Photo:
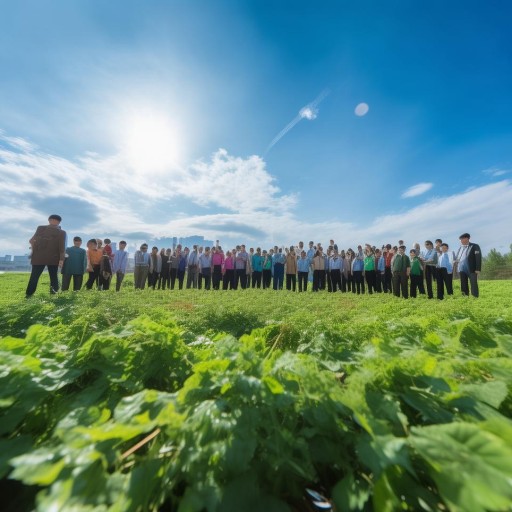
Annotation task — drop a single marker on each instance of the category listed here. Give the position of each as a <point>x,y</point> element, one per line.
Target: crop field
<point>254,400</point>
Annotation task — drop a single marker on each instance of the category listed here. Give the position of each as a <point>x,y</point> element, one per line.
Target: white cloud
<point>496,172</point>
<point>417,190</point>
<point>253,208</point>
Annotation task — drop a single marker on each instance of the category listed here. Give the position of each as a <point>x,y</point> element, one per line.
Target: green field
<point>241,400</point>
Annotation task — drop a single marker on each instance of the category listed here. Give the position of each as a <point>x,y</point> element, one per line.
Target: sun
<point>149,142</point>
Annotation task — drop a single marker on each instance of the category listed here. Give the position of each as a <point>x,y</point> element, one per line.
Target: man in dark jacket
<point>469,259</point>
<point>48,250</point>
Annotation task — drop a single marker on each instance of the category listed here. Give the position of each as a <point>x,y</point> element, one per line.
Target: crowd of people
<point>369,269</point>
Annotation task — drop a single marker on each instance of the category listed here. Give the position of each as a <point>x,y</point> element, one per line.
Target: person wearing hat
<point>469,259</point>
<point>48,250</point>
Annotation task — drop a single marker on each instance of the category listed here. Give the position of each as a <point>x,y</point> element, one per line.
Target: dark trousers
<point>291,282</point>
<point>430,275</point>
<point>335,280</point>
<point>93,277</point>
<point>256,279</point>
<point>206,275</point>
<point>444,279</point>
<point>173,276</point>
<point>328,280</point>
<point>119,280</point>
<point>216,276</point>
<point>267,277</point>
<point>473,281</point>
<point>400,284</point>
<point>303,281</point>
<point>378,281</point>
<point>104,282</point>
<point>416,284</point>
<point>358,281</point>
<point>278,276</point>
<point>351,284</point>
<point>181,278</point>
<point>153,279</point>
<point>388,279</point>
<point>240,277</point>
<point>229,279</point>
<point>248,280</point>
<point>37,270</point>
<point>370,280</point>
<point>78,280</point>
<point>318,280</point>
<point>164,279</point>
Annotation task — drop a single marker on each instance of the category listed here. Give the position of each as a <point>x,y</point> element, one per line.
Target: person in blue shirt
<point>380,270</point>
<point>75,265</point>
<point>444,272</point>
<point>278,261</point>
<point>357,271</point>
<point>429,259</point>
<point>303,268</point>
<point>335,268</point>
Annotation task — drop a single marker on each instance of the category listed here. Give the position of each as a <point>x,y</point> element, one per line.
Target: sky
<point>256,121</point>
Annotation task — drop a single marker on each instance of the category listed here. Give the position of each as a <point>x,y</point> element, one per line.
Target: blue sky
<point>155,118</point>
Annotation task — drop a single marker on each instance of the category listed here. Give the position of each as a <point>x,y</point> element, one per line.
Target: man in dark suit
<point>469,259</point>
<point>48,250</point>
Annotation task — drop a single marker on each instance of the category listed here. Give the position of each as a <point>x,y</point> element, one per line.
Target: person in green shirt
<point>369,269</point>
<point>416,274</point>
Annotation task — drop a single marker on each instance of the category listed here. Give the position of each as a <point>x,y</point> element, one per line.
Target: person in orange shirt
<point>94,256</point>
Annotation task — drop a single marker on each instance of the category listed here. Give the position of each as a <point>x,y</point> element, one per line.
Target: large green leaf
<point>471,467</point>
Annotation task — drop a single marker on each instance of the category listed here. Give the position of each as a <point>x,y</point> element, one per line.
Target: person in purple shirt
<point>119,264</point>
<point>241,268</point>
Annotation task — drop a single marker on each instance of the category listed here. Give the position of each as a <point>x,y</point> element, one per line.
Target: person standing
<point>205,267</point>
<point>143,265</point>
<point>416,274</point>
<point>357,271</point>
<point>429,259</point>
<point>94,256</point>
<point>257,268</point>
<point>267,270</point>
<point>229,272</point>
<point>217,263</point>
<point>173,269</point>
<point>182,265</point>
<point>241,260</point>
<point>119,264</point>
<point>388,254</point>
<point>48,250</point>
<point>369,269</point>
<point>303,265</point>
<point>469,258</point>
<point>291,270</point>
<point>401,269</point>
<point>444,272</point>
<point>335,270</point>
<point>380,266</point>
<point>192,268</point>
<point>74,266</point>
<point>278,261</point>
<point>318,264</point>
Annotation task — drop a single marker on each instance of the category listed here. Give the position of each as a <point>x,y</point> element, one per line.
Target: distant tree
<point>496,265</point>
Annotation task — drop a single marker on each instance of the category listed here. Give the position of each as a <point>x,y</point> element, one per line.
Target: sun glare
<point>150,142</point>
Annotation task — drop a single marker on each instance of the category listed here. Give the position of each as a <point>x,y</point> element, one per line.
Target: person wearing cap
<point>48,250</point>
<point>469,259</point>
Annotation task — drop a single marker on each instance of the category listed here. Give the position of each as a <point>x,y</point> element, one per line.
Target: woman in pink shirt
<point>217,262</point>
<point>229,272</point>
